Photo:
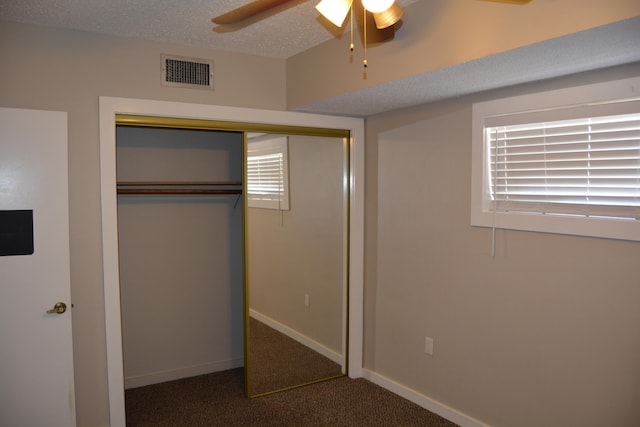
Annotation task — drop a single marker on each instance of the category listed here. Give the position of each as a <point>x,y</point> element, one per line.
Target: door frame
<point>109,107</point>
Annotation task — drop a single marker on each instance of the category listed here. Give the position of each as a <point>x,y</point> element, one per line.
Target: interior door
<point>36,359</point>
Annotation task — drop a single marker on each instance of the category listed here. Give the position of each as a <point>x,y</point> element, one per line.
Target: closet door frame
<point>245,118</point>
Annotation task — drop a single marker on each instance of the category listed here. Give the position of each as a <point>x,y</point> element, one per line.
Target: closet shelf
<point>178,187</point>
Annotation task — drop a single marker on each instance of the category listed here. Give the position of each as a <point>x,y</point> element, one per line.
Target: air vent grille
<point>191,73</point>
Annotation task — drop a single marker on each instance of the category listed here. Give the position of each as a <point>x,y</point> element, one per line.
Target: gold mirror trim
<point>203,124</point>
<point>245,271</point>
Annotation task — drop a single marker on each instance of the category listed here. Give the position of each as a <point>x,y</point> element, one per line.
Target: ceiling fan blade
<point>519,2</point>
<point>247,11</point>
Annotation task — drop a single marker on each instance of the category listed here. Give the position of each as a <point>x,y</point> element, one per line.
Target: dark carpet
<point>277,361</point>
<point>218,400</point>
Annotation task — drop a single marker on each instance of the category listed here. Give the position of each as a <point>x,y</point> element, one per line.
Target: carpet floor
<point>218,400</point>
<point>277,361</point>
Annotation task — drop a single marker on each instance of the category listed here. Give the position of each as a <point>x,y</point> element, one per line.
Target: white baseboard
<point>184,372</point>
<point>302,339</point>
<point>426,402</point>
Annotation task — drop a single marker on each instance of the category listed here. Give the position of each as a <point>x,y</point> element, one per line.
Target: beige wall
<point>547,333</point>
<point>67,70</point>
<point>437,34</point>
<point>302,251</point>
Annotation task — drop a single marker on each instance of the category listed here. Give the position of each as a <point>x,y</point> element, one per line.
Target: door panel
<point>36,359</point>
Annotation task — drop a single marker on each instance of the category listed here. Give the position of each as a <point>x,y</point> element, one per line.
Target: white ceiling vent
<point>193,73</point>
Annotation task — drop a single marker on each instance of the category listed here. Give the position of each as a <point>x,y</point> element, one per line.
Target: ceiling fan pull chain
<point>351,17</point>
<point>364,62</point>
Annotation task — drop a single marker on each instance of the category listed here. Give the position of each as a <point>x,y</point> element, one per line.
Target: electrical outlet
<point>306,300</point>
<point>428,346</point>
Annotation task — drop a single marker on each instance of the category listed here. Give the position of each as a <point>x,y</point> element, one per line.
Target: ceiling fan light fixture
<point>334,10</point>
<point>377,6</point>
<point>388,17</point>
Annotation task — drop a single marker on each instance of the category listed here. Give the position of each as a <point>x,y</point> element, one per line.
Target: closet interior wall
<point>180,254</point>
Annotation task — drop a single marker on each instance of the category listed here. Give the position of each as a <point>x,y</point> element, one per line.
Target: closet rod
<point>176,183</point>
<point>174,191</point>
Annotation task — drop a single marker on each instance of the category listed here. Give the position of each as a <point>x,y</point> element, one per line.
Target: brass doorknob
<point>59,308</point>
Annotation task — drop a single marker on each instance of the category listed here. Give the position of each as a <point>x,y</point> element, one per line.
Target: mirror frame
<point>166,112</point>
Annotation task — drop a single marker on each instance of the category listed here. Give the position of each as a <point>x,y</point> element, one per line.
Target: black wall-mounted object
<point>16,232</point>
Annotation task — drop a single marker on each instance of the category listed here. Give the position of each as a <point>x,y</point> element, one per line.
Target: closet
<point>180,230</point>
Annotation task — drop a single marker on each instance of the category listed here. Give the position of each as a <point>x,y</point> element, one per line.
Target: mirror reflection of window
<point>268,173</point>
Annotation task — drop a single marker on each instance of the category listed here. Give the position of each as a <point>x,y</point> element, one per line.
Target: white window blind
<point>586,167</point>
<point>267,174</point>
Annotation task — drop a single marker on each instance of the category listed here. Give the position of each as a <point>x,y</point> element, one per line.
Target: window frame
<point>601,99</point>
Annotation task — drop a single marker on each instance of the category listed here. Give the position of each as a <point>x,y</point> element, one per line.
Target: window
<point>572,168</point>
<point>267,173</point>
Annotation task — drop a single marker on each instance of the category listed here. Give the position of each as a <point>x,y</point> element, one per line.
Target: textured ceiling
<point>601,47</point>
<point>297,29</point>
<point>293,30</point>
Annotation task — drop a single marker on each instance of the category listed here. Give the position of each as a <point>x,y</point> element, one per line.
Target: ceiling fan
<point>383,14</point>
<point>266,8</point>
